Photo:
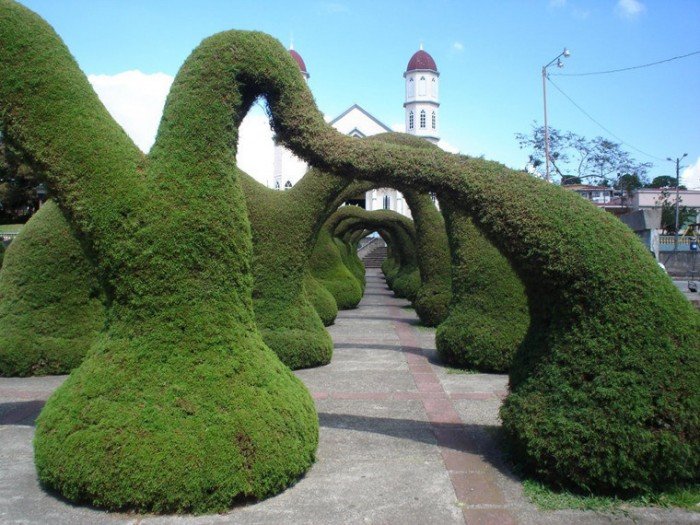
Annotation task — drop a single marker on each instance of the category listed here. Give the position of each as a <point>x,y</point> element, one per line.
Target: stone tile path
<point>403,441</point>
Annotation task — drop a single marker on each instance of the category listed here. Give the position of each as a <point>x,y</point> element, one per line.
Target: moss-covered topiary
<point>321,299</point>
<point>604,393</point>
<point>489,317</point>
<point>179,406</point>
<point>327,267</point>
<point>285,225</point>
<point>403,275</point>
<point>432,300</point>
<point>50,306</point>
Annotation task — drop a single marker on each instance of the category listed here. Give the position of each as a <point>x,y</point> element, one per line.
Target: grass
<point>547,499</point>
<point>10,228</point>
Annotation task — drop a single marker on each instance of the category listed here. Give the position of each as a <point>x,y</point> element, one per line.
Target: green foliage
<point>179,405</point>
<point>668,212</point>
<point>18,183</point>
<point>489,316</point>
<point>327,267</point>
<point>50,307</point>
<point>321,299</point>
<point>433,298</point>
<point>547,499</point>
<point>284,224</point>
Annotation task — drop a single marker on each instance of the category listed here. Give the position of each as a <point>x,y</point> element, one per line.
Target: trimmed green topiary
<point>432,300</point>
<point>489,316</point>
<point>604,389</point>
<point>179,406</point>
<point>50,306</point>
<point>285,224</point>
<point>403,277</point>
<point>328,269</point>
<point>321,299</point>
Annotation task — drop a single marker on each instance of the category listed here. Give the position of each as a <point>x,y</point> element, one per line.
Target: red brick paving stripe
<point>472,479</point>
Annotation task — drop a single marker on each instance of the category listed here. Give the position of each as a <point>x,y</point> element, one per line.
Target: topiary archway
<point>612,347</point>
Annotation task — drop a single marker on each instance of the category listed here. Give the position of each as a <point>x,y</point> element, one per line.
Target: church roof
<point>296,56</point>
<point>421,60</point>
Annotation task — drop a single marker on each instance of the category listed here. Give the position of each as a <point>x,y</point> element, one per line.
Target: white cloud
<point>458,46</point>
<point>256,149</point>
<point>629,8</point>
<point>135,100</point>
<point>690,176</point>
<point>446,146</point>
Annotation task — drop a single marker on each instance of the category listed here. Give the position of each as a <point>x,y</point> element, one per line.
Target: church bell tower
<point>422,103</point>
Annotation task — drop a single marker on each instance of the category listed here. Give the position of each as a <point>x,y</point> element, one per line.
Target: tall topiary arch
<point>612,347</point>
<point>180,405</point>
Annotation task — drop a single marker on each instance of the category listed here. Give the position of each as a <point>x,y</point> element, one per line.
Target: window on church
<point>287,185</point>
<point>387,202</point>
<point>410,120</point>
<point>411,88</point>
<point>434,120</point>
<point>422,118</point>
<point>433,88</point>
<point>422,86</point>
<point>277,185</point>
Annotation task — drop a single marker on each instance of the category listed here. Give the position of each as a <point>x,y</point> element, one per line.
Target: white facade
<point>421,106</point>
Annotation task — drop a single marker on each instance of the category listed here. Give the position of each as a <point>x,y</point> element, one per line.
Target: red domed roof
<point>421,60</point>
<point>296,56</point>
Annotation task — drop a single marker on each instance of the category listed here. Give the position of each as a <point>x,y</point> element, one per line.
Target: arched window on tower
<point>422,118</point>
<point>411,87</point>
<point>277,185</point>
<point>433,88</point>
<point>410,120</point>
<point>434,120</point>
<point>287,185</point>
<point>422,86</point>
<point>387,202</point>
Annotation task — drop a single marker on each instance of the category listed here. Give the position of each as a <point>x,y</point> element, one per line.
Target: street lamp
<point>566,54</point>
<point>678,184</point>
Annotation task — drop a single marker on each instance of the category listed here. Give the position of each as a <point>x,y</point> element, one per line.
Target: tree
<point>667,202</point>
<point>574,156</point>
<point>664,181</point>
<point>18,184</point>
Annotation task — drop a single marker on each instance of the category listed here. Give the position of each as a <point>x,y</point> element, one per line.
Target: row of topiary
<point>193,271</point>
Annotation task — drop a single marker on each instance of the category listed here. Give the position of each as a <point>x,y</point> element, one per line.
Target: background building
<point>421,106</point>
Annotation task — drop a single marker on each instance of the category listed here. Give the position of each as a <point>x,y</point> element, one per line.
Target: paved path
<point>403,441</point>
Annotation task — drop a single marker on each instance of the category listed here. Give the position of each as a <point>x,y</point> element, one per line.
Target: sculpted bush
<point>489,316</point>
<point>604,391</point>
<point>50,300</point>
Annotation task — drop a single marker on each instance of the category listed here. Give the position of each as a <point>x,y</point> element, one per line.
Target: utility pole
<point>566,53</point>
<point>678,187</point>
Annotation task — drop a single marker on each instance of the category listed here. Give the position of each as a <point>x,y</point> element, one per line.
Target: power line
<point>603,127</point>
<point>625,68</point>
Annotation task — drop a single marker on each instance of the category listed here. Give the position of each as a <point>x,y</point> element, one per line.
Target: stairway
<point>375,258</point>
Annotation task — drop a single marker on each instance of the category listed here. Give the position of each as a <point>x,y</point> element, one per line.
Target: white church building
<point>421,108</point>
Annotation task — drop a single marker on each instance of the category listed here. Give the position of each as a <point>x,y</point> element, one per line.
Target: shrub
<point>50,300</point>
<point>321,299</point>
<point>179,405</point>
<point>489,316</point>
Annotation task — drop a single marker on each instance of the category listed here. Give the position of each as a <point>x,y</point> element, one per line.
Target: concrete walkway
<point>403,441</point>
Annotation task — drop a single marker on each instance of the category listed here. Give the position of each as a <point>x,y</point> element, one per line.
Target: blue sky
<point>489,54</point>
